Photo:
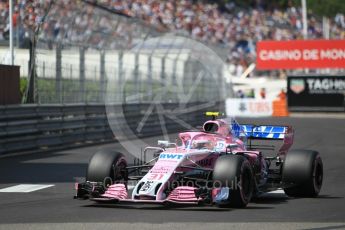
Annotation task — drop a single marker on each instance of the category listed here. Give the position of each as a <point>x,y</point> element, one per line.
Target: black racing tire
<point>303,170</point>
<point>235,172</point>
<point>108,167</point>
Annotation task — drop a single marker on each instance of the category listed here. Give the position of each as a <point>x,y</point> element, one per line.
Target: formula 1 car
<point>217,165</point>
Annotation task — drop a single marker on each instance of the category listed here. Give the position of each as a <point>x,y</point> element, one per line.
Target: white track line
<point>25,188</point>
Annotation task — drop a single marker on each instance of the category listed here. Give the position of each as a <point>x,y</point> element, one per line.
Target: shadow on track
<point>37,168</point>
<point>172,207</point>
<point>282,198</point>
<point>270,199</point>
<point>331,227</point>
<point>329,197</point>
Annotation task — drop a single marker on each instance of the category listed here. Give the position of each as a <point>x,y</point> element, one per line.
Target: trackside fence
<point>36,128</point>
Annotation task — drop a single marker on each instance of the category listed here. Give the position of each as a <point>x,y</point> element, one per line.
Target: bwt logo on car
<point>170,156</point>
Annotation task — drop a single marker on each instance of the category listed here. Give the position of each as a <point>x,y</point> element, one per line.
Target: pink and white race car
<point>217,165</point>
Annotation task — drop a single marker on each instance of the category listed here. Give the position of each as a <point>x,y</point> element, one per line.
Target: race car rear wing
<point>267,132</point>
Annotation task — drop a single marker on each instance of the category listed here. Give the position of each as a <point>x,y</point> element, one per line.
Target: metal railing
<point>35,128</point>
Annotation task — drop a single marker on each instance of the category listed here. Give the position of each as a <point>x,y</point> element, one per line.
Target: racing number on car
<point>146,186</point>
<point>155,176</point>
<point>220,145</point>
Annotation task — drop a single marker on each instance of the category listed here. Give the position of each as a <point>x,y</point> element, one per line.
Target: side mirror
<point>163,143</point>
<point>230,147</point>
<point>200,144</point>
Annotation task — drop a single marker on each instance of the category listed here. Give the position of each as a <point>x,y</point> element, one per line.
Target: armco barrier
<point>34,128</point>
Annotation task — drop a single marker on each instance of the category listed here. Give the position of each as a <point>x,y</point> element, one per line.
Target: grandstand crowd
<point>235,29</point>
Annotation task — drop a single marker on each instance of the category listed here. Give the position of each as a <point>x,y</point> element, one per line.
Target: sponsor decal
<point>322,92</point>
<point>248,107</point>
<point>155,176</point>
<point>205,162</point>
<point>297,85</point>
<point>299,54</point>
<point>161,169</point>
<point>220,145</point>
<point>170,156</point>
<point>242,107</point>
<point>326,85</point>
<point>146,186</point>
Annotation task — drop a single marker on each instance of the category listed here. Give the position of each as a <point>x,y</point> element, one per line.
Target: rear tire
<point>235,172</point>
<point>108,167</point>
<point>303,169</point>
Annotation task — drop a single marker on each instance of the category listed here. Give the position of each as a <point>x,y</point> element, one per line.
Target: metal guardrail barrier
<point>35,128</point>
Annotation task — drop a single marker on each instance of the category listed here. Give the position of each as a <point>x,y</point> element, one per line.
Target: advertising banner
<point>300,54</point>
<point>248,107</point>
<point>310,93</point>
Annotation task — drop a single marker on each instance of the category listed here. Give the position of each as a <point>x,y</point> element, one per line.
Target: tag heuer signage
<point>310,93</point>
<point>297,85</point>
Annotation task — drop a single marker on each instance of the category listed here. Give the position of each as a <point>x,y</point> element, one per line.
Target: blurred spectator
<point>263,93</point>
<point>235,29</point>
<point>282,95</point>
<point>251,93</point>
<point>240,94</point>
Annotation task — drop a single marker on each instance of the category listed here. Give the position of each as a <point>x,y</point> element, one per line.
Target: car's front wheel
<point>108,167</point>
<point>234,172</point>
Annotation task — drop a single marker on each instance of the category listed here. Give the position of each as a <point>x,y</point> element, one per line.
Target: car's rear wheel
<point>234,172</point>
<point>302,173</point>
<point>108,167</point>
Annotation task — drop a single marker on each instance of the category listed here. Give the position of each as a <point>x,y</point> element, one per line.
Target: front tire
<point>235,172</point>
<point>108,167</point>
<point>303,169</point>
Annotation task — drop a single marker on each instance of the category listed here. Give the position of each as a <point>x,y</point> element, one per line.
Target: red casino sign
<point>300,54</point>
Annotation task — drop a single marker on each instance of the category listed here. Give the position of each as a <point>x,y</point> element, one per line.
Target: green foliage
<point>326,7</point>
<point>70,90</point>
<point>22,85</point>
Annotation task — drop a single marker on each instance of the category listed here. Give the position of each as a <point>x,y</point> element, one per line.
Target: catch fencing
<point>82,62</point>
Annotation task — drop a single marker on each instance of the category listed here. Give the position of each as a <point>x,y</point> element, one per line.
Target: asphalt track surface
<point>54,207</point>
